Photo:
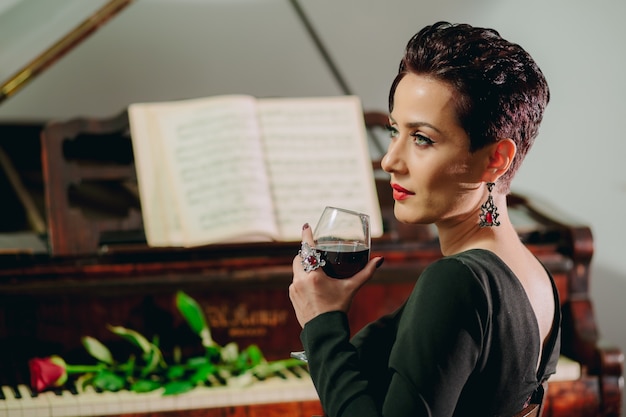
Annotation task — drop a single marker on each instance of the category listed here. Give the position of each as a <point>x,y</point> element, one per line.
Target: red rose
<point>47,372</point>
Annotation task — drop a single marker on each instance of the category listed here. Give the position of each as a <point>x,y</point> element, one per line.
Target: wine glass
<point>343,239</point>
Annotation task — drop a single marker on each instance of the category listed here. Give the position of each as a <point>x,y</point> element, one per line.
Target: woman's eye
<point>393,132</point>
<point>421,140</point>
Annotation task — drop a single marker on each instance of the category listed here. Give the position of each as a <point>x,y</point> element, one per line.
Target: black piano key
<point>31,391</point>
<point>71,387</point>
<point>220,379</point>
<point>295,372</point>
<point>16,392</point>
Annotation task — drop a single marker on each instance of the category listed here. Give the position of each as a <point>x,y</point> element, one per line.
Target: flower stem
<point>78,369</point>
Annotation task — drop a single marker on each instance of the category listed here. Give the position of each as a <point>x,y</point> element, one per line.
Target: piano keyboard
<point>19,401</point>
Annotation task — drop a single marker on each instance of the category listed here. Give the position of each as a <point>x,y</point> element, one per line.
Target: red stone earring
<point>489,211</point>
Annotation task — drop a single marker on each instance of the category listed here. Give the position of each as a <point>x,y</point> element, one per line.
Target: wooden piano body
<point>91,267</point>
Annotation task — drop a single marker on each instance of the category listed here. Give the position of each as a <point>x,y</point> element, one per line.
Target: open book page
<point>161,225</point>
<point>212,159</point>
<point>317,156</point>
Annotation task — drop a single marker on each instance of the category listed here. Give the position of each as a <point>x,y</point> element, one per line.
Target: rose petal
<point>44,373</point>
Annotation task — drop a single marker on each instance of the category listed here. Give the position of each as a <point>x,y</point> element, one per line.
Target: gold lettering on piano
<point>243,321</point>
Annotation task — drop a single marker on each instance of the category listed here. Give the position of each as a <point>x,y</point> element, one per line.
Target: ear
<point>501,154</point>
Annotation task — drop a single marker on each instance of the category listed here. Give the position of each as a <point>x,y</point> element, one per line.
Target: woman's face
<point>434,177</point>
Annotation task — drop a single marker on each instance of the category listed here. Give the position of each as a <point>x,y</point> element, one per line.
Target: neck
<point>461,234</point>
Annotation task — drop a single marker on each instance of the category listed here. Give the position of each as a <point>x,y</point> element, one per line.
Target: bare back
<point>536,282</point>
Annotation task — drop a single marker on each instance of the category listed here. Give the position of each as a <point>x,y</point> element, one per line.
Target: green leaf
<point>202,373</point>
<point>97,350</point>
<point>151,353</point>
<point>108,381</point>
<point>145,385</point>
<point>197,361</point>
<point>134,337</point>
<point>194,315</point>
<point>265,369</point>
<point>175,371</point>
<point>128,367</point>
<point>214,352</point>
<point>178,387</point>
<point>255,356</point>
<point>247,359</point>
<point>153,359</point>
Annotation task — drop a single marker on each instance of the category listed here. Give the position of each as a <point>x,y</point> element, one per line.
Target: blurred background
<point>172,49</point>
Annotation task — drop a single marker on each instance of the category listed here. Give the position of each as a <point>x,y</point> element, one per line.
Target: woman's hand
<point>313,293</point>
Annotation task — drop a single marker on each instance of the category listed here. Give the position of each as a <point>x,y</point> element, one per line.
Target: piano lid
<point>159,50</point>
<point>18,34</point>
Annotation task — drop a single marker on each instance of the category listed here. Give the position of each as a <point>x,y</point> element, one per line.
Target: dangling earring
<point>489,211</point>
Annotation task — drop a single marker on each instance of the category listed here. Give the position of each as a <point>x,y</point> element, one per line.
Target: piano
<point>73,258</point>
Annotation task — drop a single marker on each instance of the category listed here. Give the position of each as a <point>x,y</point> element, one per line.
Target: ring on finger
<point>311,258</point>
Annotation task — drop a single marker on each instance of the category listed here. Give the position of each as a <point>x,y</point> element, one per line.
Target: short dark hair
<point>501,91</point>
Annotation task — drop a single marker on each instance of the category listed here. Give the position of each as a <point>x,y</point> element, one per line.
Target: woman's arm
<point>414,365</point>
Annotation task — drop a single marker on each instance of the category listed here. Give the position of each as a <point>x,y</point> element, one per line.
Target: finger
<point>367,273</point>
<point>297,264</point>
<point>307,234</point>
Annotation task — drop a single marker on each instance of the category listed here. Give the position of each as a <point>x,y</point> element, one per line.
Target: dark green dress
<point>465,343</point>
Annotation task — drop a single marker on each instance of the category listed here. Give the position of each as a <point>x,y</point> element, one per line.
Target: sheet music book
<point>235,168</point>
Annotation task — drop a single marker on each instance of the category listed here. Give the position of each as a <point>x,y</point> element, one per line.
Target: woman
<point>480,331</point>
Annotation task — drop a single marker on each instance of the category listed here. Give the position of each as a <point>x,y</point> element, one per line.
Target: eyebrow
<point>414,125</point>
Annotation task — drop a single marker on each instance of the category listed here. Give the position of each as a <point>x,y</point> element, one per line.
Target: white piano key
<point>202,397</point>
<point>93,403</point>
<point>130,402</point>
<point>136,402</point>
<point>3,404</point>
<point>193,399</point>
<point>64,405</point>
<point>162,403</point>
<point>88,402</point>
<point>147,400</point>
<point>110,402</point>
<point>12,406</point>
<point>84,400</point>
<point>45,400</point>
<point>199,398</point>
<point>32,406</point>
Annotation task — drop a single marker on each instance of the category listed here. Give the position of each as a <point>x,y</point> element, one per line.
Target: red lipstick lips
<point>400,193</point>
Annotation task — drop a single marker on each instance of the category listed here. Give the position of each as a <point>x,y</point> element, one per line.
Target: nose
<point>393,161</point>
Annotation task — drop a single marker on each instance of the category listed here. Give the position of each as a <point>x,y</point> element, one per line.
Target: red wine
<point>343,259</point>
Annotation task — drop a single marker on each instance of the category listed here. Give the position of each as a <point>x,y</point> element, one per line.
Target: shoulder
<point>449,299</point>
<point>467,280</point>
<point>457,282</point>
<point>469,268</point>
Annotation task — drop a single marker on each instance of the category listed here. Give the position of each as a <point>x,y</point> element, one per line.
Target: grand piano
<point>73,258</point>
